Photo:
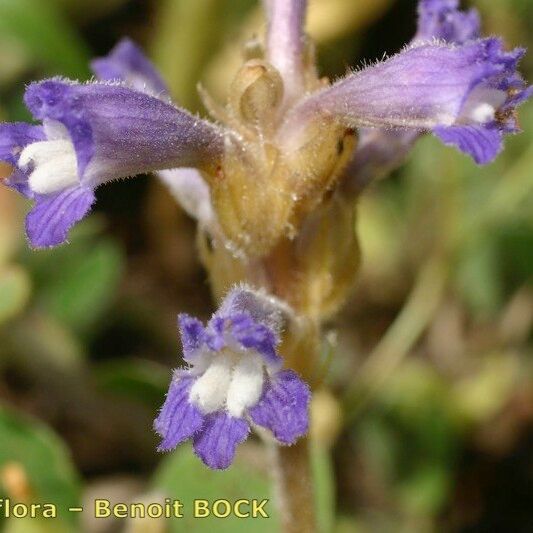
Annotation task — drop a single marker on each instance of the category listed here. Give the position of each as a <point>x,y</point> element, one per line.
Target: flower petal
<point>192,192</point>
<point>14,137</point>
<point>379,150</point>
<point>243,331</point>
<point>283,407</point>
<point>259,305</point>
<point>127,62</point>
<point>178,419</point>
<point>285,40</point>
<point>482,143</point>
<point>250,319</point>
<point>52,216</point>
<point>215,337</point>
<point>216,443</point>
<point>118,132</point>
<point>442,19</point>
<point>422,87</point>
<point>252,335</point>
<point>192,333</point>
<point>246,385</point>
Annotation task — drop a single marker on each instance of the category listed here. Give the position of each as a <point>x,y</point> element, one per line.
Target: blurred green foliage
<point>242,481</point>
<point>43,458</point>
<point>437,339</point>
<point>45,35</point>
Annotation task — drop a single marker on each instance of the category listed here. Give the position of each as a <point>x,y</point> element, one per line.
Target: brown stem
<point>294,480</point>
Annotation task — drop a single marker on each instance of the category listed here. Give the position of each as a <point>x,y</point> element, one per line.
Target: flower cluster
<point>282,140</point>
<point>270,179</point>
<point>235,378</point>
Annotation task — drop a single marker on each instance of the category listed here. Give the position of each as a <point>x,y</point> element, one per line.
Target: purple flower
<point>380,150</point>
<point>285,42</point>
<point>91,134</point>
<point>442,19</point>
<point>127,63</point>
<point>465,95</point>
<point>192,192</point>
<point>235,378</point>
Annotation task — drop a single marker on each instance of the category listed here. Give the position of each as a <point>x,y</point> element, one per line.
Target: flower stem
<point>294,480</point>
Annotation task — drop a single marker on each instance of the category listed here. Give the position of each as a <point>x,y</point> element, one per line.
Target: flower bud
<point>256,94</point>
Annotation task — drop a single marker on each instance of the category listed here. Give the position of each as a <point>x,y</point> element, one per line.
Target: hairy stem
<point>294,485</point>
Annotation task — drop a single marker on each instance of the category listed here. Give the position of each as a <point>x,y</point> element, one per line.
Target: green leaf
<point>83,285</point>
<point>47,36</point>
<point>44,459</point>
<point>183,476</point>
<point>140,380</point>
<point>15,289</point>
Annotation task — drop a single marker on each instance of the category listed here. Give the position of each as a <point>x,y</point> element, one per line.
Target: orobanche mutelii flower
<point>271,180</point>
<point>235,379</point>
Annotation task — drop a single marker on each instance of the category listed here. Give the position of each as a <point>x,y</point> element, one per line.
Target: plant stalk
<point>294,485</point>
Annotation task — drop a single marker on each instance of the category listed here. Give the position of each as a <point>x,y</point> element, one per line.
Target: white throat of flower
<point>233,381</point>
<point>482,105</point>
<point>54,165</point>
